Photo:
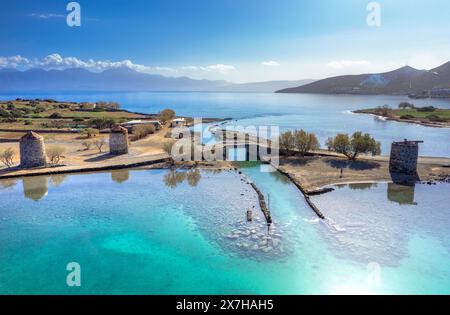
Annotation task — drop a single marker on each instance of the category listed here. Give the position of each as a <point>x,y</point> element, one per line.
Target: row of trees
<point>98,143</point>
<point>108,105</point>
<point>298,140</point>
<point>351,146</point>
<point>142,131</point>
<point>406,105</point>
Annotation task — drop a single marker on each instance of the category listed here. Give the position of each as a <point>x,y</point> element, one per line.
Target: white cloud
<point>224,69</point>
<point>190,68</point>
<point>13,62</point>
<point>270,63</point>
<point>342,64</point>
<point>220,68</point>
<point>56,61</point>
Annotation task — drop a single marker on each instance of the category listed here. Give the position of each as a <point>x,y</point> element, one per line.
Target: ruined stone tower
<point>32,151</point>
<point>404,156</point>
<point>118,140</point>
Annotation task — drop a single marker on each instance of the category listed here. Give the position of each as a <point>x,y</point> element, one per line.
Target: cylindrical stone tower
<point>118,140</point>
<point>32,151</point>
<point>404,157</point>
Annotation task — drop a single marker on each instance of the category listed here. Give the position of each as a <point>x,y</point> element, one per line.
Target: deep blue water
<point>325,115</point>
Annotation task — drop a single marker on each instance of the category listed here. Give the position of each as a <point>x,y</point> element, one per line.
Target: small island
<point>406,112</point>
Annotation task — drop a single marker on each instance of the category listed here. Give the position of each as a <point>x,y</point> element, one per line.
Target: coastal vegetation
<point>24,114</point>
<point>166,115</point>
<point>90,132</point>
<point>141,131</point>
<point>298,140</point>
<point>407,112</point>
<point>352,146</point>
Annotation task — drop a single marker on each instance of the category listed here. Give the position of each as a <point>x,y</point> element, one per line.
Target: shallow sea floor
<point>185,232</point>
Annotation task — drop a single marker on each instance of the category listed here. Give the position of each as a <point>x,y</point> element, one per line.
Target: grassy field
<point>65,113</point>
<point>33,115</point>
<point>443,113</point>
<point>436,116</point>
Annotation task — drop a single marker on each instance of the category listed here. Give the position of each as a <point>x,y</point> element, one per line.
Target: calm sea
<point>160,232</point>
<point>325,115</point>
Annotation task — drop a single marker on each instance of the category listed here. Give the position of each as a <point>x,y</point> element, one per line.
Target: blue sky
<point>236,40</point>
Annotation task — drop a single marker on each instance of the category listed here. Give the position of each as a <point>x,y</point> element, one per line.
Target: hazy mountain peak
<point>403,80</point>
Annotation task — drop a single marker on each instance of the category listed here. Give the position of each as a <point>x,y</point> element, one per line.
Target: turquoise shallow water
<point>162,232</point>
<point>324,115</point>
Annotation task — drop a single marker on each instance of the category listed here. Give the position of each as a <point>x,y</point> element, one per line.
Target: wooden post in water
<point>269,218</point>
<point>249,215</point>
<point>247,147</point>
<point>224,144</point>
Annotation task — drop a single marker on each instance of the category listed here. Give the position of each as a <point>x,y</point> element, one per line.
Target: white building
<point>133,123</point>
<point>179,122</point>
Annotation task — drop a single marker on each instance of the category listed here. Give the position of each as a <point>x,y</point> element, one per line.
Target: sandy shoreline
<point>314,174</point>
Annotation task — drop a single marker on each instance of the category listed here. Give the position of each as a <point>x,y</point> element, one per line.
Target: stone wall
<point>404,157</point>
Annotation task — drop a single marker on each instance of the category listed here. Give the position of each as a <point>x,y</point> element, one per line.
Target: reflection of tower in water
<point>401,194</point>
<point>35,188</point>
<point>120,176</point>
<point>57,180</point>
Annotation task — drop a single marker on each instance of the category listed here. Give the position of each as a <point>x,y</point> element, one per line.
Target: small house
<point>178,122</point>
<point>133,123</point>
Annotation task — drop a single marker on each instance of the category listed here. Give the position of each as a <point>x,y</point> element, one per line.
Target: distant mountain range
<point>122,79</point>
<point>267,86</point>
<point>403,81</point>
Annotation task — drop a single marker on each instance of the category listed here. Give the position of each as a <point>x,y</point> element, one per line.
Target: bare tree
<point>7,157</point>
<point>99,144</point>
<point>55,154</point>
<point>87,145</point>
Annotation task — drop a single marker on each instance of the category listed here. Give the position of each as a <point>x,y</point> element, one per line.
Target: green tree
<point>352,146</point>
<point>10,106</point>
<point>286,142</point>
<point>4,113</point>
<point>101,123</point>
<point>305,142</point>
<point>383,110</point>
<point>404,105</point>
<point>142,131</point>
<point>89,132</point>
<point>166,115</point>
<point>55,116</point>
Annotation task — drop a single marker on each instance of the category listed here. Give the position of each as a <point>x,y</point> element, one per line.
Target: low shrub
<point>426,109</point>
<point>436,118</point>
